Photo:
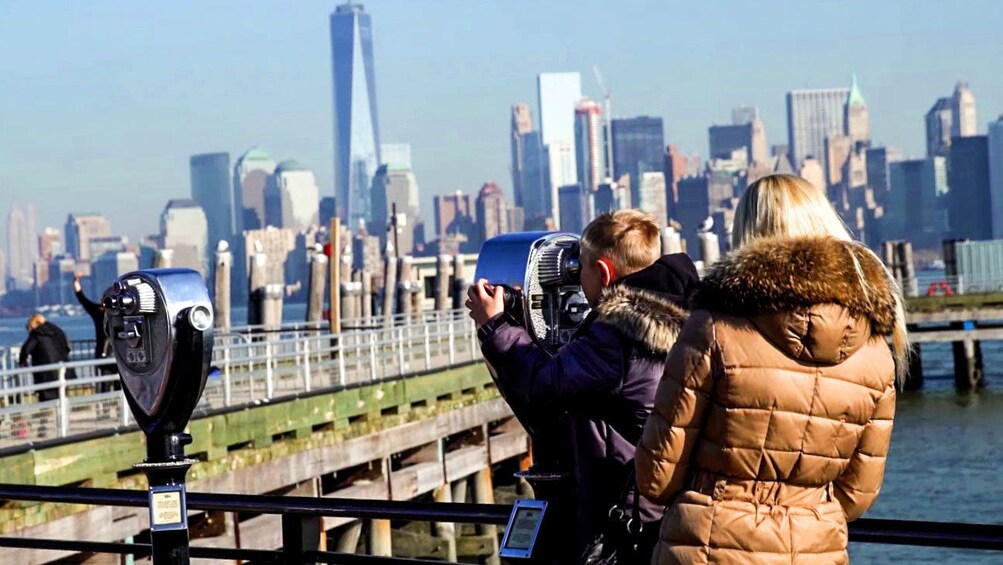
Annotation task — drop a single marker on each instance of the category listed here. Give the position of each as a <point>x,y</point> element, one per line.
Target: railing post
<point>125,408</point>
<point>227,381</point>
<point>306,365</point>
<point>452,343</point>
<point>342,351</point>
<point>400,350</point>
<point>428,348</point>
<point>269,368</point>
<point>300,535</point>
<point>472,332</point>
<point>372,355</point>
<point>64,408</point>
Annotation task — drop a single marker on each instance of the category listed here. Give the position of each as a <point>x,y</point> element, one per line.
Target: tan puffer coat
<point>772,421</point>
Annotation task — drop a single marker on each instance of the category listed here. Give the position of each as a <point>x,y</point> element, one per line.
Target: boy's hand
<point>485,302</point>
<point>77,287</point>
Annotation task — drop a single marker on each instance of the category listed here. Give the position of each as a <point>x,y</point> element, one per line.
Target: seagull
<point>706,225</point>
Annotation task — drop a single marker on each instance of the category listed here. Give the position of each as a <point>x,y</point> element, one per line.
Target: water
<point>945,464</point>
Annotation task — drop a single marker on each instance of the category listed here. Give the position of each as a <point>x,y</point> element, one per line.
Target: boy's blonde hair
<point>628,238</point>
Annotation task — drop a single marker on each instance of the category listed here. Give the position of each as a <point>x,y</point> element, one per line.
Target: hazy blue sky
<point>104,101</point>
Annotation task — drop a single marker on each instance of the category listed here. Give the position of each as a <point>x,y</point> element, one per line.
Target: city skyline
<point>460,136</point>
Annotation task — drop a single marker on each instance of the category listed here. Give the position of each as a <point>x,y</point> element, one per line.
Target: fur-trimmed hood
<point>805,292</point>
<point>642,315</point>
<point>648,306</point>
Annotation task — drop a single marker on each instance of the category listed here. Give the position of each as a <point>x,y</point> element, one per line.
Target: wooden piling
<point>442,298</point>
<point>968,367</point>
<point>405,288</point>
<point>348,537</point>
<point>334,278</point>
<point>389,290</point>
<point>222,277</point>
<point>446,530</point>
<point>272,310</point>
<point>710,249</point>
<point>914,375</point>
<point>257,280</point>
<point>459,282</point>
<point>358,297</point>
<point>903,250</point>
<point>315,289</point>
<point>484,493</point>
<point>671,241</point>
<point>379,538</point>
<point>367,295</point>
<point>163,259</point>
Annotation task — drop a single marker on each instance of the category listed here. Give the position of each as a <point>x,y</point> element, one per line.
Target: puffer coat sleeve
<point>857,487</point>
<point>671,432</point>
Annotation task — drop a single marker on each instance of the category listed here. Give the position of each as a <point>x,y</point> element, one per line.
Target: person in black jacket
<point>102,347</point>
<point>46,345</point>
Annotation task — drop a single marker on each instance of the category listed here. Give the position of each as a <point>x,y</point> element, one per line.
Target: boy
<point>604,380</point>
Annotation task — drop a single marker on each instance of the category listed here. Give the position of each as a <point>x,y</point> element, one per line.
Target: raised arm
<point>858,487</point>
<point>663,456</point>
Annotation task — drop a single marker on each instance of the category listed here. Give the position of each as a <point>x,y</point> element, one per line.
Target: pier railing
<point>250,365</point>
<point>301,531</point>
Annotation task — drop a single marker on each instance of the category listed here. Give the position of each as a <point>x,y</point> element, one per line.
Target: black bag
<point>622,540</point>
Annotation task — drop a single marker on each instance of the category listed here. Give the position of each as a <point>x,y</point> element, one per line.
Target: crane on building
<point>608,111</point>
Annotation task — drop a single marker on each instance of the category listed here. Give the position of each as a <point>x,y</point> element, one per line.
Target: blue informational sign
<point>523,529</point>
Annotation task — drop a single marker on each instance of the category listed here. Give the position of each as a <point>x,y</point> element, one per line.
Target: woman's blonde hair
<point>36,319</point>
<point>785,206</point>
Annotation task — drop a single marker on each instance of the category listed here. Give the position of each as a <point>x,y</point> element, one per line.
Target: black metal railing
<point>300,513</point>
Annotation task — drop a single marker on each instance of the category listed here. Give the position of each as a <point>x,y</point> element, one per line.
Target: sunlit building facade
<point>292,199</point>
<point>212,190</point>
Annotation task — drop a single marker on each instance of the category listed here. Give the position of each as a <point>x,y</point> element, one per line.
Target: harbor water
<point>946,460</point>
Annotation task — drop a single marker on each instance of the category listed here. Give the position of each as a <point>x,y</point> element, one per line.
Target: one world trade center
<point>356,126</point>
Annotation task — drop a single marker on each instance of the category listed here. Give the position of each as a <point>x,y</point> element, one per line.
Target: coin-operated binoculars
<point>539,272</point>
<point>160,324</point>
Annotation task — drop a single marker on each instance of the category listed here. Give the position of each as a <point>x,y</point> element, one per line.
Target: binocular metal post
<point>165,468</point>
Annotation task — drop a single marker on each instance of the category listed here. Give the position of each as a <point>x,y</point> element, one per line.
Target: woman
<point>46,345</point>
<point>772,422</point>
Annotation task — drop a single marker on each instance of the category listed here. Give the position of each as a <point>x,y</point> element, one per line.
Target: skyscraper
<point>184,230</point>
<point>522,124</point>
<point>952,116</point>
<point>744,115</point>
<point>80,229</point>
<point>292,199</point>
<point>492,212</point>
<point>536,196</point>
<point>559,94</point>
<point>938,127</point>
<point>455,217</point>
<point>969,201</point>
<point>996,175</point>
<point>856,116</point>
<point>812,116</point>
<point>50,244</point>
<point>963,120</point>
<point>913,210</point>
<point>356,121</point>
<point>395,185</point>
<point>878,160</point>
<point>652,197</point>
<point>573,208</point>
<point>21,245</point>
<point>638,144</point>
<point>588,145</point>
<point>250,177</point>
<point>212,190</point>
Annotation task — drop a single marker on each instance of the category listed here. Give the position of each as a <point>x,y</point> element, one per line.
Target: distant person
<point>772,423</point>
<point>102,346</point>
<point>46,345</point>
<point>604,379</point>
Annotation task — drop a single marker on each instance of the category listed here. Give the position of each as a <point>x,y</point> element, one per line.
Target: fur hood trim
<point>782,275</point>
<point>642,315</point>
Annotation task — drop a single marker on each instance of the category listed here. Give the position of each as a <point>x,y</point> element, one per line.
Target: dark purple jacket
<point>604,380</point>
